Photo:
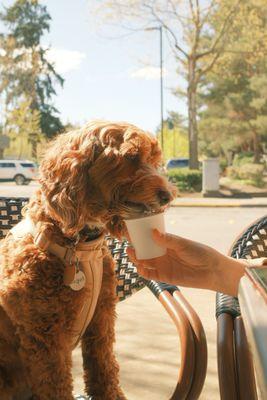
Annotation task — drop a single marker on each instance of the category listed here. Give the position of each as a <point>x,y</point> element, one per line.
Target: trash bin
<point>210,177</point>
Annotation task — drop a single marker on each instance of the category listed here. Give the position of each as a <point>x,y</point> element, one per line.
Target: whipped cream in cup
<point>140,232</point>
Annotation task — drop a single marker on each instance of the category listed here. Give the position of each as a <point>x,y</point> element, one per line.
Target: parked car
<point>177,163</point>
<point>20,171</point>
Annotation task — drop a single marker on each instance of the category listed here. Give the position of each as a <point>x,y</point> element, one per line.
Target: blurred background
<point>193,73</point>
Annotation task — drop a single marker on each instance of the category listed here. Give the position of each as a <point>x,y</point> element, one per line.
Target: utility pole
<point>160,29</point>
<point>161,87</point>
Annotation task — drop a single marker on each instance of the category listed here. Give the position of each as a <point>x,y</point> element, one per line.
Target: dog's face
<point>102,174</point>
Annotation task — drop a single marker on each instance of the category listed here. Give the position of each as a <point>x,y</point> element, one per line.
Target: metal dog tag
<point>78,281</point>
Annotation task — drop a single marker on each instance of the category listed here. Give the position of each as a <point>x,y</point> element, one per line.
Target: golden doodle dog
<point>57,280</point>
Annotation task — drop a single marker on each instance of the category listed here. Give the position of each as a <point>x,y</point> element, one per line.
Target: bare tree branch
<point>174,50</point>
<point>208,12</point>
<point>225,27</point>
<point>198,10</point>
<point>192,9</point>
<point>167,28</point>
<point>197,27</point>
<point>202,72</point>
<point>180,18</point>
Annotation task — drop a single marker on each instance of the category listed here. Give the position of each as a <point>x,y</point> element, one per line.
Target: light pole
<point>159,28</point>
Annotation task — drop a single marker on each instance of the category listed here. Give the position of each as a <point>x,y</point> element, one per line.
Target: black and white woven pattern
<point>10,213</point>
<point>129,281</point>
<point>251,244</point>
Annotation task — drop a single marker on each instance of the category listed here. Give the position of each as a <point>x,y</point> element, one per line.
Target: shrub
<point>251,173</point>
<point>243,158</point>
<point>232,172</point>
<point>223,165</point>
<point>186,180</point>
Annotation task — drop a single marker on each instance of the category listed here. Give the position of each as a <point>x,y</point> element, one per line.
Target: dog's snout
<point>164,197</point>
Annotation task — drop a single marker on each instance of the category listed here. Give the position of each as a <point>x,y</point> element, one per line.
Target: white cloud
<point>148,73</point>
<point>65,60</point>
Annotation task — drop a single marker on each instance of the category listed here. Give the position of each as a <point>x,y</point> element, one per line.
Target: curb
<point>214,205</point>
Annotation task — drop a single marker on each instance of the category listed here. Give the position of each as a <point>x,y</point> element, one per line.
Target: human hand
<point>192,264</point>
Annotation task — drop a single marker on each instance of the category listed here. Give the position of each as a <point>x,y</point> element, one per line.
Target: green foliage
<point>234,116</point>
<point>223,163</point>
<point>29,21</point>
<point>186,180</point>
<point>249,173</point>
<point>175,138</point>
<point>175,144</point>
<point>23,128</point>
<point>243,158</point>
<point>25,70</point>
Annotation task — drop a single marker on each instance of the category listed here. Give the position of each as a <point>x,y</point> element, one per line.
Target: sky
<point>114,79</point>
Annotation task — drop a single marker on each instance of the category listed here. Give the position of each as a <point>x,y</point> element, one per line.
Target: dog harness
<point>83,269</point>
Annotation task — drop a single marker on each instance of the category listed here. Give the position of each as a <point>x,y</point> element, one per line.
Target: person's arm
<point>192,264</point>
<point>230,271</point>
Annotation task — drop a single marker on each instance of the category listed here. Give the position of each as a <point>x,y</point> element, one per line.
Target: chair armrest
<point>192,373</point>
<point>232,345</point>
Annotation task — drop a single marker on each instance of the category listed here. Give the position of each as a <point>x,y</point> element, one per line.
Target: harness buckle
<point>69,256</point>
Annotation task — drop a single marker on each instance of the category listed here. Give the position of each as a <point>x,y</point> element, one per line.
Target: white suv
<point>20,171</point>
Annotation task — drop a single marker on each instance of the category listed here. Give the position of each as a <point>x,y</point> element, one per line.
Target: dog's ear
<point>156,154</point>
<point>130,152</point>
<point>138,146</point>
<point>65,182</point>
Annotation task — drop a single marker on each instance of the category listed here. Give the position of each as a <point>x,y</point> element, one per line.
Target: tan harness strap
<point>86,257</point>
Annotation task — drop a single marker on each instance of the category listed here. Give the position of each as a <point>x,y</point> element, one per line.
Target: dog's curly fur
<point>90,178</point>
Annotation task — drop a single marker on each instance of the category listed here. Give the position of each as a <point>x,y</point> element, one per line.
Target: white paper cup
<point>140,232</point>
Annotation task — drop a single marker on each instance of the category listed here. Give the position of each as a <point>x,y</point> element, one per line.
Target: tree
<point>26,73</point>
<point>234,93</point>
<point>24,127</point>
<point>187,24</point>
<point>175,137</point>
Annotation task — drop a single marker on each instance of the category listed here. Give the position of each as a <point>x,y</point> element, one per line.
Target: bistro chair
<point>235,362</point>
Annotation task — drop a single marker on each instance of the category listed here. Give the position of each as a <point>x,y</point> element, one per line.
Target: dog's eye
<point>135,158</point>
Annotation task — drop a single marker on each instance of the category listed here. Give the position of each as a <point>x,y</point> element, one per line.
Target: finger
<point>168,240</point>
<point>144,267</point>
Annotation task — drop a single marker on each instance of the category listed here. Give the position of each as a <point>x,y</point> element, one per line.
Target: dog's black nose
<point>164,197</point>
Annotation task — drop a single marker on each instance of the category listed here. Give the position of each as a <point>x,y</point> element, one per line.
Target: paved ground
<point>147,343</point>
<point>11,189</point>
<point>220,202</point>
